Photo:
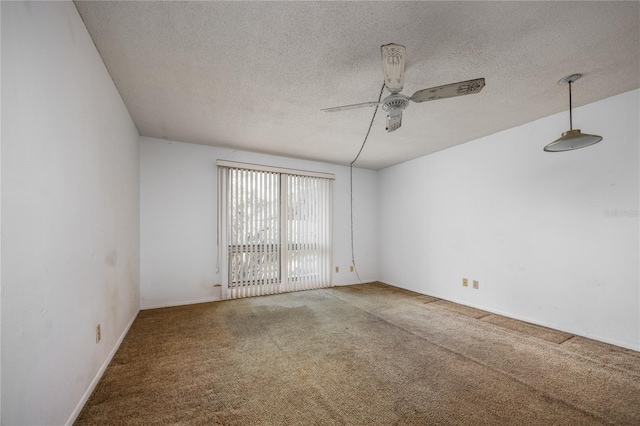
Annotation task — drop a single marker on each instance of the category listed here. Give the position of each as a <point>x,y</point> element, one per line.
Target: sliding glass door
<point>307,232</point>
<point>276,228</point>
<point>253,230</point>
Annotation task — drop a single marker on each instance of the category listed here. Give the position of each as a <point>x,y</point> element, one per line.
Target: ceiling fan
<point>393,60</point>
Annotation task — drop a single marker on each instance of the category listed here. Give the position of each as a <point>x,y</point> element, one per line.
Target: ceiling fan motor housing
<point>394,104</point>
<point>395,101</point>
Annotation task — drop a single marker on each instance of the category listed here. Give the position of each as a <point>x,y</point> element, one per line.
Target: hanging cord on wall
<point>353,259</point>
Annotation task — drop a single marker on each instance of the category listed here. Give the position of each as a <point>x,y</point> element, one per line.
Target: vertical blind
<point>274,229</point>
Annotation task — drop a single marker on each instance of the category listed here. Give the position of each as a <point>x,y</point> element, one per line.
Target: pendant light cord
<point>353,259</point>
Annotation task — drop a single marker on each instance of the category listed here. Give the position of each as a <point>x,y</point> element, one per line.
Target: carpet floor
<point>366,354</point>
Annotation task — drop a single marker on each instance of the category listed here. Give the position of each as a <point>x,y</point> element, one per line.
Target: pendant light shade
<point>572,139</point>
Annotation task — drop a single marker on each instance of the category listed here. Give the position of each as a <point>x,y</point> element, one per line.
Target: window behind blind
<point>276,229</point>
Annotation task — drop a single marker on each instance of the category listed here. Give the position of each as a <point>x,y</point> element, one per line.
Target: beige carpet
<point>366,354</point>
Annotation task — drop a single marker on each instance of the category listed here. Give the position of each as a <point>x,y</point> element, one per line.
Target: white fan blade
<point>449,91</point>
<point>393,59</point>
<point>342,108</point>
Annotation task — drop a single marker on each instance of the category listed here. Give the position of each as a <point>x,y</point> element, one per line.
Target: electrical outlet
<point>351,268</point>
<point>475,284</point>
<point>465,282</point>
<point>337,269</point>
<point>98,336</point>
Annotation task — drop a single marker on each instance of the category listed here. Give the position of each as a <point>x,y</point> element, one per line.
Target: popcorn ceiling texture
<point>254,75</point>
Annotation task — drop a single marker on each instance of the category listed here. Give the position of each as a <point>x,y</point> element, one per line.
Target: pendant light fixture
<point>571,139</point>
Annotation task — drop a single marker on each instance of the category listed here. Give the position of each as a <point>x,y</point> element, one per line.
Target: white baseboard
<point>145,306</point>
<point>355,283</point>
<point>98,376</point>
<point>521,318</point>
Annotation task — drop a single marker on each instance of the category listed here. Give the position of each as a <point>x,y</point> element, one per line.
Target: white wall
<point>178,217</point>
<point>531,226</point>
<point>0,232</point>
<point>70,198</point>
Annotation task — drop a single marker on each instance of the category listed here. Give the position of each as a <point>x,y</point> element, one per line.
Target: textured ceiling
<point>254,75</point>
